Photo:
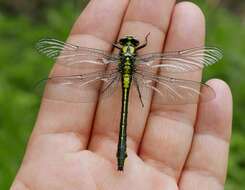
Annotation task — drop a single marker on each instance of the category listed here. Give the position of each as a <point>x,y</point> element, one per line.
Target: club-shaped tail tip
<point>120,164</point>
<point>120,168</point>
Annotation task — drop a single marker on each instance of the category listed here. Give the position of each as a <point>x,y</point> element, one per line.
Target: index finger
<point>96,27</point>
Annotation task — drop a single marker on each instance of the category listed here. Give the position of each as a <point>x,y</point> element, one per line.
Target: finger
<point>207,162</point>
<point>137,24</point>
<point>171,126</point>
<point>66,117</point>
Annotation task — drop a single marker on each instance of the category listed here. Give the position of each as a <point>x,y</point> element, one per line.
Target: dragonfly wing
<point>171,91</point>
<point>110,86</point>
<point>74,56</point>
<point>77,88</point>
<point>180,61</point>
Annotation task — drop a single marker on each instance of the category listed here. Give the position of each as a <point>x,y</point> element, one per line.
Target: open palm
<point>73,145</point>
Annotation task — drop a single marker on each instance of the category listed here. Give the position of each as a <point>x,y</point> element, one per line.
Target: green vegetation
<point>21,67</point>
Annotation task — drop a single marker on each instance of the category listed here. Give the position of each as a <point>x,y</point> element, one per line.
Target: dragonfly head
<point>129,40</point>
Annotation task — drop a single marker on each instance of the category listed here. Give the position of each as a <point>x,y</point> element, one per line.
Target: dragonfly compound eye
<point>129,40</point>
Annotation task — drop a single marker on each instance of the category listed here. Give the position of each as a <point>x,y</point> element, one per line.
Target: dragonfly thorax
<point>128,46</point>
<point>128,50</point>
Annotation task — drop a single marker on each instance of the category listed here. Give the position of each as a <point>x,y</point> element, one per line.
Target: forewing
<point>171,91</point>
<point>78,88</point>
<point>74,56</point>
<point>180,61</point>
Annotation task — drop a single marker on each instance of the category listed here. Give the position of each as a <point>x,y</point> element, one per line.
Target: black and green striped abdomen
<point>122,143</point>
<point>126,83</point>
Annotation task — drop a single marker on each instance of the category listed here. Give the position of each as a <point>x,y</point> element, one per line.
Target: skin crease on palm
<point>73,146</point>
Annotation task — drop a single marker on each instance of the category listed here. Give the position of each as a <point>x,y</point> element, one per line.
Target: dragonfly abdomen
<point>127,71</point>
<point>122,143</point>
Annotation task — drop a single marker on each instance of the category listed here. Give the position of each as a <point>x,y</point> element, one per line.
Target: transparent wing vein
<point>79,88</point>
<point>73,55</point>
<point>181,61</point>
<point>170,91</point>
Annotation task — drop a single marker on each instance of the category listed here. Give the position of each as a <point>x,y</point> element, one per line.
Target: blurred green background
<point>23,22</point>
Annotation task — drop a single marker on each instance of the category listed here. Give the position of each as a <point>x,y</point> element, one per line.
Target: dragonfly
<point>100,73</point>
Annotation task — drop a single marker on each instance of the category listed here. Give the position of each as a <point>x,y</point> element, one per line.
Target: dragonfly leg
<point>107,86</point>
<point>146,42</point>
<point>116,46</point>
<point>139,93</point>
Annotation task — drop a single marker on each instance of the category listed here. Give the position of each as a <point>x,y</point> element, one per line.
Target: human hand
<point>73,146</point>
